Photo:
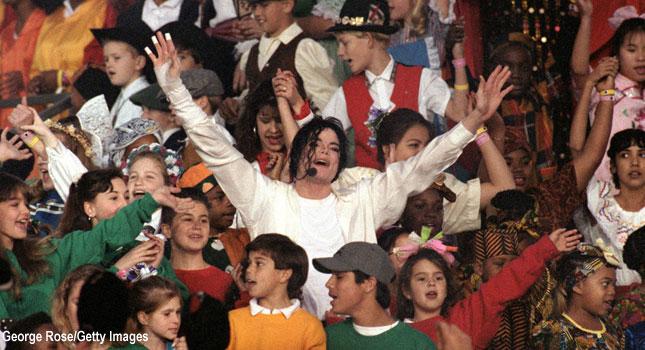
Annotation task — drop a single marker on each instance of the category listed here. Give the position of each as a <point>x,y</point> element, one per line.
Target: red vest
<point>359,101</point>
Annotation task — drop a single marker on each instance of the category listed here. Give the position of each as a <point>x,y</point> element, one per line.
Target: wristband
<point>608,92</point>
<point>481,130</point>
<point>461,87</point>
<point>607,98</point>
<point>34,140</point>
<point>459,63</point>
<point>59,78</point>
<point>482,138</point>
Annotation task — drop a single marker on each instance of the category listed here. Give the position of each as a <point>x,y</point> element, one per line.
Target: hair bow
<point>623,13</point>
<point>607,253</point>
<point>425,242</point>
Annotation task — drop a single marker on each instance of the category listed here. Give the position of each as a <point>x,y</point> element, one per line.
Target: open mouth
<point>275,140</point>
<point>138,194</point>
<point>431,295</point>
<point>519,180</point>
<point>22,224</point>
<point>196,237</point>
<point>640,70</point>
<point>634,174</point>
<point>321,162</point>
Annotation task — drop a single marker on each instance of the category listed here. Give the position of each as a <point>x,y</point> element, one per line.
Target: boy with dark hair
<point>188,233</point>
<point>361,273</point>
<point>125,63</point>
<point>155,107</point>
<point>275,271</point>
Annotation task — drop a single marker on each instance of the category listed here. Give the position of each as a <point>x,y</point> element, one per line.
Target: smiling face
<point>164,321</point>
<point>105,205</point>
<point>345,293</point>
<point>270,15</point>
<point>325,159</point>
<point>123,64</point>
<point>424,209</point>
<point>352,49</point>
<point>522,167</point>
<point>632,57</point>
<point>14,220</point>
<point>145,175</point>
<point>596,293</point>
<point>190,230</point>
<point>269,129</point>
<point>222,212</point>
<point>412,142</point>
<point>630,167</point>
<point>428,288</point>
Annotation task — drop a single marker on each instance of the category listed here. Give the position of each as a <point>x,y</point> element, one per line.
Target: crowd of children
<point>225,182</point>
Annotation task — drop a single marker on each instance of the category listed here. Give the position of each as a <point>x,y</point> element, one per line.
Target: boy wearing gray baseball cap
<point>360,275</point>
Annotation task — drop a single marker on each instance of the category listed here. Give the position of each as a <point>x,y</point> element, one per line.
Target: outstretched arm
<point>247,188</point>
<point>580,54</point>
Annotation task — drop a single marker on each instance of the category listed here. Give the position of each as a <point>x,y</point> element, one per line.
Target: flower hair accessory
<point>425,242</point>
<point>75,134</point>
<point>137,272</point>
<point>622,14</point>
<point>174,164</point>
<point>374,118</point>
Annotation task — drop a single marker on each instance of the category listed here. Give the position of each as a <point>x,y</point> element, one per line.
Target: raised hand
<point>286,86</point>
<point>585,7</point>
<point>10,149</point>
<point>565,241</point>
<point>604,74</point>
<point>491,92</point>
<point>164,197</point>
<point>455,39</point>
<point>165,62</point>
<point>275,166</point>
<point>39,128</point>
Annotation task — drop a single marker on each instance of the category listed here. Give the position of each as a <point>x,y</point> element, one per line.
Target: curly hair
<point>248,140</point>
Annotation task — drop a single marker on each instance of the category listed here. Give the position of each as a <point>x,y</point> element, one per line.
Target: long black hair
<point>308,136</point>
<point>621,141</point>
<point>248,140</point>
<point>629,26</point>
<point>394,126</point>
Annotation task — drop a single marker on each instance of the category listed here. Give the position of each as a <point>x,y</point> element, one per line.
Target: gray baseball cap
<point>368,258</point>
<point>202,82</point>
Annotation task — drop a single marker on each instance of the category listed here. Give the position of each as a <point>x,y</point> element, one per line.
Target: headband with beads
<point>174,164</point>
<point>76,134</point>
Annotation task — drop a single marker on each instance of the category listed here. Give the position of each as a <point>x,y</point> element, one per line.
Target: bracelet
<point>608,92</point>
<point>59,78</point>
<point>459,62</point>
<point>481,130</point>
<point>461,87</point>
<point>482,138</point>
<point>34,140</point>
<point>607,98</point>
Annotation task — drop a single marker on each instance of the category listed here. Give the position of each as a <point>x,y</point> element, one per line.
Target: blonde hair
<point>60,319</point>
<point>381,38</point>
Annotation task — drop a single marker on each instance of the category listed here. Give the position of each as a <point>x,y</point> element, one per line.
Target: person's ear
<point>166,231</point>
<point>140,62</point>
<point>143,318</point>
<point>369,285</point>
<point>89,209</point>
<point>202,102</point>
<point>288,6</point>
<point>285,275</point>
<point>577,288</point>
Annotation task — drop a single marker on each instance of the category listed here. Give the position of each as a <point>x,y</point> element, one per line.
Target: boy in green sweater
<point>360,275</point>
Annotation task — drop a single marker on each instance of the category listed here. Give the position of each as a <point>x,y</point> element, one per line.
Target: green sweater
<point>342,336</point>
<point>73,250</point>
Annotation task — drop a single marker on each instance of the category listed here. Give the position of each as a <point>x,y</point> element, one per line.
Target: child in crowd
<point>155,107</point>
<point>125,64</point>
<point>65,300</point>
<point>225,246</point>
<point>360,275</point>
<point>36,325</point>
<point>188,234</point>
<point>379,84</point>
<point>428,291</point>
<point>155,310</point>
<point>49,260</point>
<point>585,293</point>
<point>275,271</point>
<point>627,45</point>
<point>317,157</point>
<point>259,132</point>
<point>285,46</point>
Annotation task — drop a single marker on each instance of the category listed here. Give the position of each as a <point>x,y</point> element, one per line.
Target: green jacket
<point>73,250</point>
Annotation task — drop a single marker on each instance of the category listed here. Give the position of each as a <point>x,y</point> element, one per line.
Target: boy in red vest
<point>381,85</point>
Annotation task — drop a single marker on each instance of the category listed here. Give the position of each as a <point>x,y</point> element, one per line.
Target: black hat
<point>364,16</point>
<point>151,97</point>
<point>136,38</point>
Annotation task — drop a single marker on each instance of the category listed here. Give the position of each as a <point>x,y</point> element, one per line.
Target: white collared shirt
<point>156,16</point>
<point>311,61</point>
<point>287,311</point>
<point>434,95</point>
<point>123,109</point>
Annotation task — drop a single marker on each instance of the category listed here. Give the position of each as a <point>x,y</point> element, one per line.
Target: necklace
<point>598,334</point>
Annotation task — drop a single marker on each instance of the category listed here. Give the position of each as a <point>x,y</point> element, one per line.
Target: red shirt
<point>480,314</point>
<point>210,280</point>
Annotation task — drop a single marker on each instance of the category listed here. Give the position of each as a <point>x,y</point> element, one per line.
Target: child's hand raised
<point>491,92</point>
<point>565,241</point>
<point>10,149</point>
<point>164,197</point>
<point>166,62</point>
<point>603,76</point>
<point>585,7</point>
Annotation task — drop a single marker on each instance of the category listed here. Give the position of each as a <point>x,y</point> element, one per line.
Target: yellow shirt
<point>62,41</point>
<point>300,331</point>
